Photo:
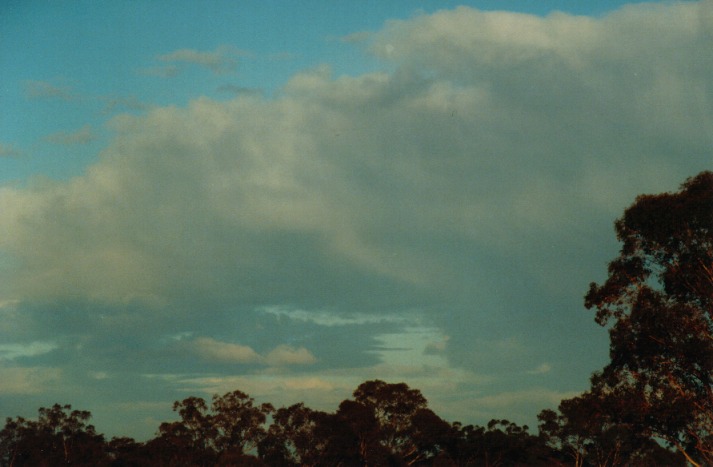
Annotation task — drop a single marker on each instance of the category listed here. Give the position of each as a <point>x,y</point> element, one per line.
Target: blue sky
<point>290,198</point>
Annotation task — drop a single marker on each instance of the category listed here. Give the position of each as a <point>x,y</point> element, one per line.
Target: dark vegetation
<point>651,405</point>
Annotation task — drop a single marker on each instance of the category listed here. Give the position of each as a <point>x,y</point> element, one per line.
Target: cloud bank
<point>466,197</point>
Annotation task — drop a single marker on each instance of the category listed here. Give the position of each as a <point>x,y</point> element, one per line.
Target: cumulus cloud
<point>282,355</point>
<point>285,355</point>
<point>474,188</point>
<point>21,380</point>
<point>224,351</point>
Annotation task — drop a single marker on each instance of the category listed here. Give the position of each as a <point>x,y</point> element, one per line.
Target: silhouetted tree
<point>597,429</point>
<point>60,435</point>
<point>126,452</point>
<point>658,299</point>
<point>293,437</point>
<point>500,443</point>
<point>393,407</point>
<point>238,423</point>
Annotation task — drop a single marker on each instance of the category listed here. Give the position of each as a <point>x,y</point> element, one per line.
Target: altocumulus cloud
<point>469,193</point>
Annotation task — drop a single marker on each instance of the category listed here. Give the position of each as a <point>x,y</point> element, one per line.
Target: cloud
<point>19,380</point>
<point>46,90</point>
<point>541,369</point>
<point>13,351</point>
<point>469,193</point>
<point>165,71</point>
<point>325,318</point>
<point>111,104</point>
<point>222,60</point>
<point>436,347</point>
<point>239,90</point>
<point>9,150</point>
<point>282,355</point>
<point>84,135</point>
<point>223,351</point>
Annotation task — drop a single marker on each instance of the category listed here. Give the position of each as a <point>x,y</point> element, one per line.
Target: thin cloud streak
<point>83,135</point>
<point>220,61</point>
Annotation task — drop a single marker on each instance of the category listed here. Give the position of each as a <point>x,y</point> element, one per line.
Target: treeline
<point>382,425</point>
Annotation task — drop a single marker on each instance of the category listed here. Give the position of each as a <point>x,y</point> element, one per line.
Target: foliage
<point>659,296</point>
<point>385,424</point>
<point>59,436</point>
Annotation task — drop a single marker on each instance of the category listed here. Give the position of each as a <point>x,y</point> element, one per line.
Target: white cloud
<point>212,349</point>
<point>280,356</point>
<point>284,355</point>
<point>325,318</point>
<point>13,351</point>
<point>33,380</point>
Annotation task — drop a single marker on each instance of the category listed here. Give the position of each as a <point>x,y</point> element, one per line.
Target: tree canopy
<point>659,299</point>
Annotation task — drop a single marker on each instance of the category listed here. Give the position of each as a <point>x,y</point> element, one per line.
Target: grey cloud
<point>474,188</point>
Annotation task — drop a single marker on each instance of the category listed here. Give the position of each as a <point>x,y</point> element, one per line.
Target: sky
<point>292,198</point>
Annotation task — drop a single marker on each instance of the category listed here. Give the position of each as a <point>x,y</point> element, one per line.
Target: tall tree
<point>239,422</point>
<point>60,435</point>
<point>293,437</point>
<point>658,300</point>
<point>394,407</point>
<point>596,429</point>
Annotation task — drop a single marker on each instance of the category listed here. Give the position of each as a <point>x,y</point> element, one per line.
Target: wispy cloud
<point>541,369</point>
<point>239,90</point>
<point>327,318</point>
<point>9,150</point>
<point>112,104</point>
<point>282,355</point>
<point>33,380</point>
<point>13,351</point>
<point>165,71</point>
<point>83,135</point>
<point>47,90</point>
<point>219,61</point>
